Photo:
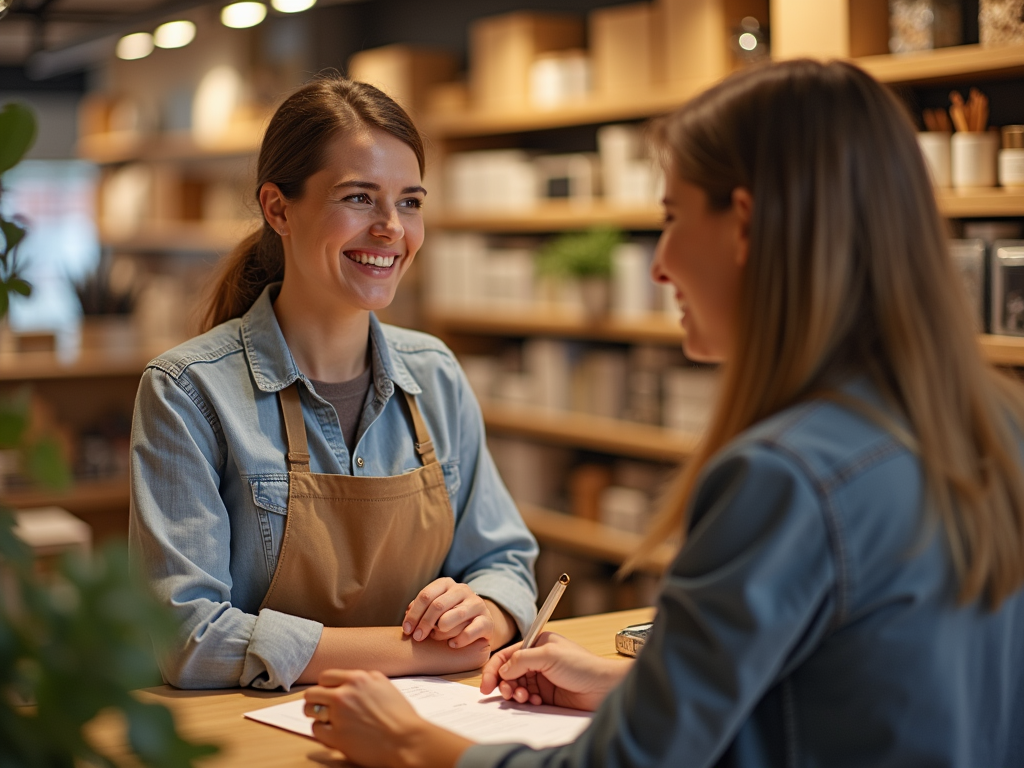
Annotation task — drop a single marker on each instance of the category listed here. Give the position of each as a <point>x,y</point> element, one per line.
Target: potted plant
<point>586,257</point>
<point>107,296</point>
<point>74,641</point>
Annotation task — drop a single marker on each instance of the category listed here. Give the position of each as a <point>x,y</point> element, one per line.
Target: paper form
<point>461,709</point>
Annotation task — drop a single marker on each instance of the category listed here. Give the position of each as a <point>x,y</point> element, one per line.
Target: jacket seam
<point>186,386</point>
<point>832,525</point>
<point>177,367</point>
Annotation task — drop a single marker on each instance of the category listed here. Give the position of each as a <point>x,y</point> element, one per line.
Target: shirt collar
<point>273,366</point>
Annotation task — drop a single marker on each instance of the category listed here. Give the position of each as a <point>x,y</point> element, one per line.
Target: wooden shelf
<point>559,216</point>
<point>82,498</point>
<point>590,538</point>
<point>87,364</point>
<point>126,146</point>
<point>994,201</point>
<point>1002,350</point>
<point>654,327</point>
<point>198,236</point>
<point>944,64</point>
<point>582,430</point>
<point>554,217</point>
<point>592,111</point>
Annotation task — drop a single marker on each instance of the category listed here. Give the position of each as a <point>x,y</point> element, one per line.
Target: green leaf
<point>46,464</point>
<point>17,134</point>
<point>13,234</point>
<point>19,286</point>
<point>13,420</point>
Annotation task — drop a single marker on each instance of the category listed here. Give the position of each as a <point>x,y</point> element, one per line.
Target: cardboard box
<point>502,50</point>
<point>694,43</point>
<point>403,72</point>
<point>829,29</point>
<point>623,50</point>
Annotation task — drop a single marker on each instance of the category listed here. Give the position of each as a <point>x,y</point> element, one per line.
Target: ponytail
<point>255,263</point>
<point>294,148</point>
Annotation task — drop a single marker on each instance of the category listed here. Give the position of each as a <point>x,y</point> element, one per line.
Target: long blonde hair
<point>848,271</point>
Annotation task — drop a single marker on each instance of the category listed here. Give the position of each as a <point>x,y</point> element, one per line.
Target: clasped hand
<point>448,610</point>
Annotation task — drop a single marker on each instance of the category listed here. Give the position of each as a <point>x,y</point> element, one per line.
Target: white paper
<point>461,709</point>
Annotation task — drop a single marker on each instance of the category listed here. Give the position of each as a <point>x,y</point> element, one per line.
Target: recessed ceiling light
<point>243,15</point>
<point>292,6</point>
<point>174,34</point>
<point>135,46</point>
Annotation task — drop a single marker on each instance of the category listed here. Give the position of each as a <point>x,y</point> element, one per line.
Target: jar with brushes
<point>934,144</point>
<point>1011,157</point>
<point>973,149</point>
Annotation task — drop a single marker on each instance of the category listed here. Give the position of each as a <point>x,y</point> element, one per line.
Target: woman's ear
<point>275,207</point>
<point>743,211</point>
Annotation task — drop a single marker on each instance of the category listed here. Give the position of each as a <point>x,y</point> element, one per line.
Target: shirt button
<point>359,461</point>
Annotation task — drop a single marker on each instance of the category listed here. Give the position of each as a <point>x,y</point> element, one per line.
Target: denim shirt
<point>210,488</point>
<point>811,620</point>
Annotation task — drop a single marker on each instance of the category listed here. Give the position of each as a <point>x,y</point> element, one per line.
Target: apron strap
<point>424,445</point>
<point>295,429</point>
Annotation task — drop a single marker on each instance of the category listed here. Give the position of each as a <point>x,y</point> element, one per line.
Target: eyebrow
<point>376,187</point>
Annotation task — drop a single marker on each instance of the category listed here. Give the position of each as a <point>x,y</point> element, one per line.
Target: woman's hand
<point>364,715</point>
<point>447,610</point>
<point>554,671</point>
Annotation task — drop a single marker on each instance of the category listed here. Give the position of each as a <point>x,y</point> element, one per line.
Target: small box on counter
<point>622,47</point>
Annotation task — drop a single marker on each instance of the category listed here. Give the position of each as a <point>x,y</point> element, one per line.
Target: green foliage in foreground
<point>76,641</point>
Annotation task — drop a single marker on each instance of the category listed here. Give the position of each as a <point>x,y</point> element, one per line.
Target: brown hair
<point>848,270</point>
<point>293,149</point>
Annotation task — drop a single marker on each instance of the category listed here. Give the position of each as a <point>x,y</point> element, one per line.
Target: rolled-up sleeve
<point>180,537</point>
<point>492,549</point>
<point>750,594</point>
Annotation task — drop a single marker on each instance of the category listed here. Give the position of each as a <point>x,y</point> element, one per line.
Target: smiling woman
<point>311,488</point>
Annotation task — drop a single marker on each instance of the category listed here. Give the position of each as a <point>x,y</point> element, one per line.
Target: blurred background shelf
<point>84,497</point>
<point>198,236</point>
<point>554,216</point>
<point>994,201</point>
<point>88,364</point>
<point>589,538</point>
<point>128,146</point>
<point>652,328</point>
<point>466,124</point>
<point>944,64</point>
<point>583,430</point>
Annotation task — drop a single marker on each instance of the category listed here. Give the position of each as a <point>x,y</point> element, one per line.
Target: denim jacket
<point>210,488</point>
<point>811,620</point>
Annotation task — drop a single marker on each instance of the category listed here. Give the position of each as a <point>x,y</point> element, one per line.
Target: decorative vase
<point>596,295</point>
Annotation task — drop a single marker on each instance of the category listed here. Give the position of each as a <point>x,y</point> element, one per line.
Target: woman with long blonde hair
<point>849,588</point>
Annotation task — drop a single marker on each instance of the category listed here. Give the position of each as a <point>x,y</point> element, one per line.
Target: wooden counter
<point>216,716</point>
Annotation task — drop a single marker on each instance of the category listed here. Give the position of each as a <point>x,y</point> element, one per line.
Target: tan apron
<point>357,550</point>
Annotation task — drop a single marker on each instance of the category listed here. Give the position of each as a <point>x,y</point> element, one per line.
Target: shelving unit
<point>128,146</point>
<point>583,430</point>
<point>944,64</point>
<point>559,216</point>
<point>590,539</point>
<point>654,328</point>
<point>204,236</point>
<point>88,364</point>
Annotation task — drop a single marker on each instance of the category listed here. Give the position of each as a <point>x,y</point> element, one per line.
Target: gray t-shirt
<point>348,398</point>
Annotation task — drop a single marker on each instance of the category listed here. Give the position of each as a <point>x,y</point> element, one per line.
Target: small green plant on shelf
<point>77,638</point>
<point>585,254</point>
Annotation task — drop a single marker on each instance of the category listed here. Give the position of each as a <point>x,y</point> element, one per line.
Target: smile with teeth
<point>369,259</point>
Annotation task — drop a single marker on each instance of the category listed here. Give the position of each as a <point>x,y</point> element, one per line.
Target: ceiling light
<point>135,46</point>
<point>747,41</point>
<point>292,6</point>
<point>242,15</point>
<point>174,34</point>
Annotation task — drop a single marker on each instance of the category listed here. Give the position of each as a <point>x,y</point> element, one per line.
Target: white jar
<point>973,159</point>
<point>935,148</point>
<point>1011,167</point>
